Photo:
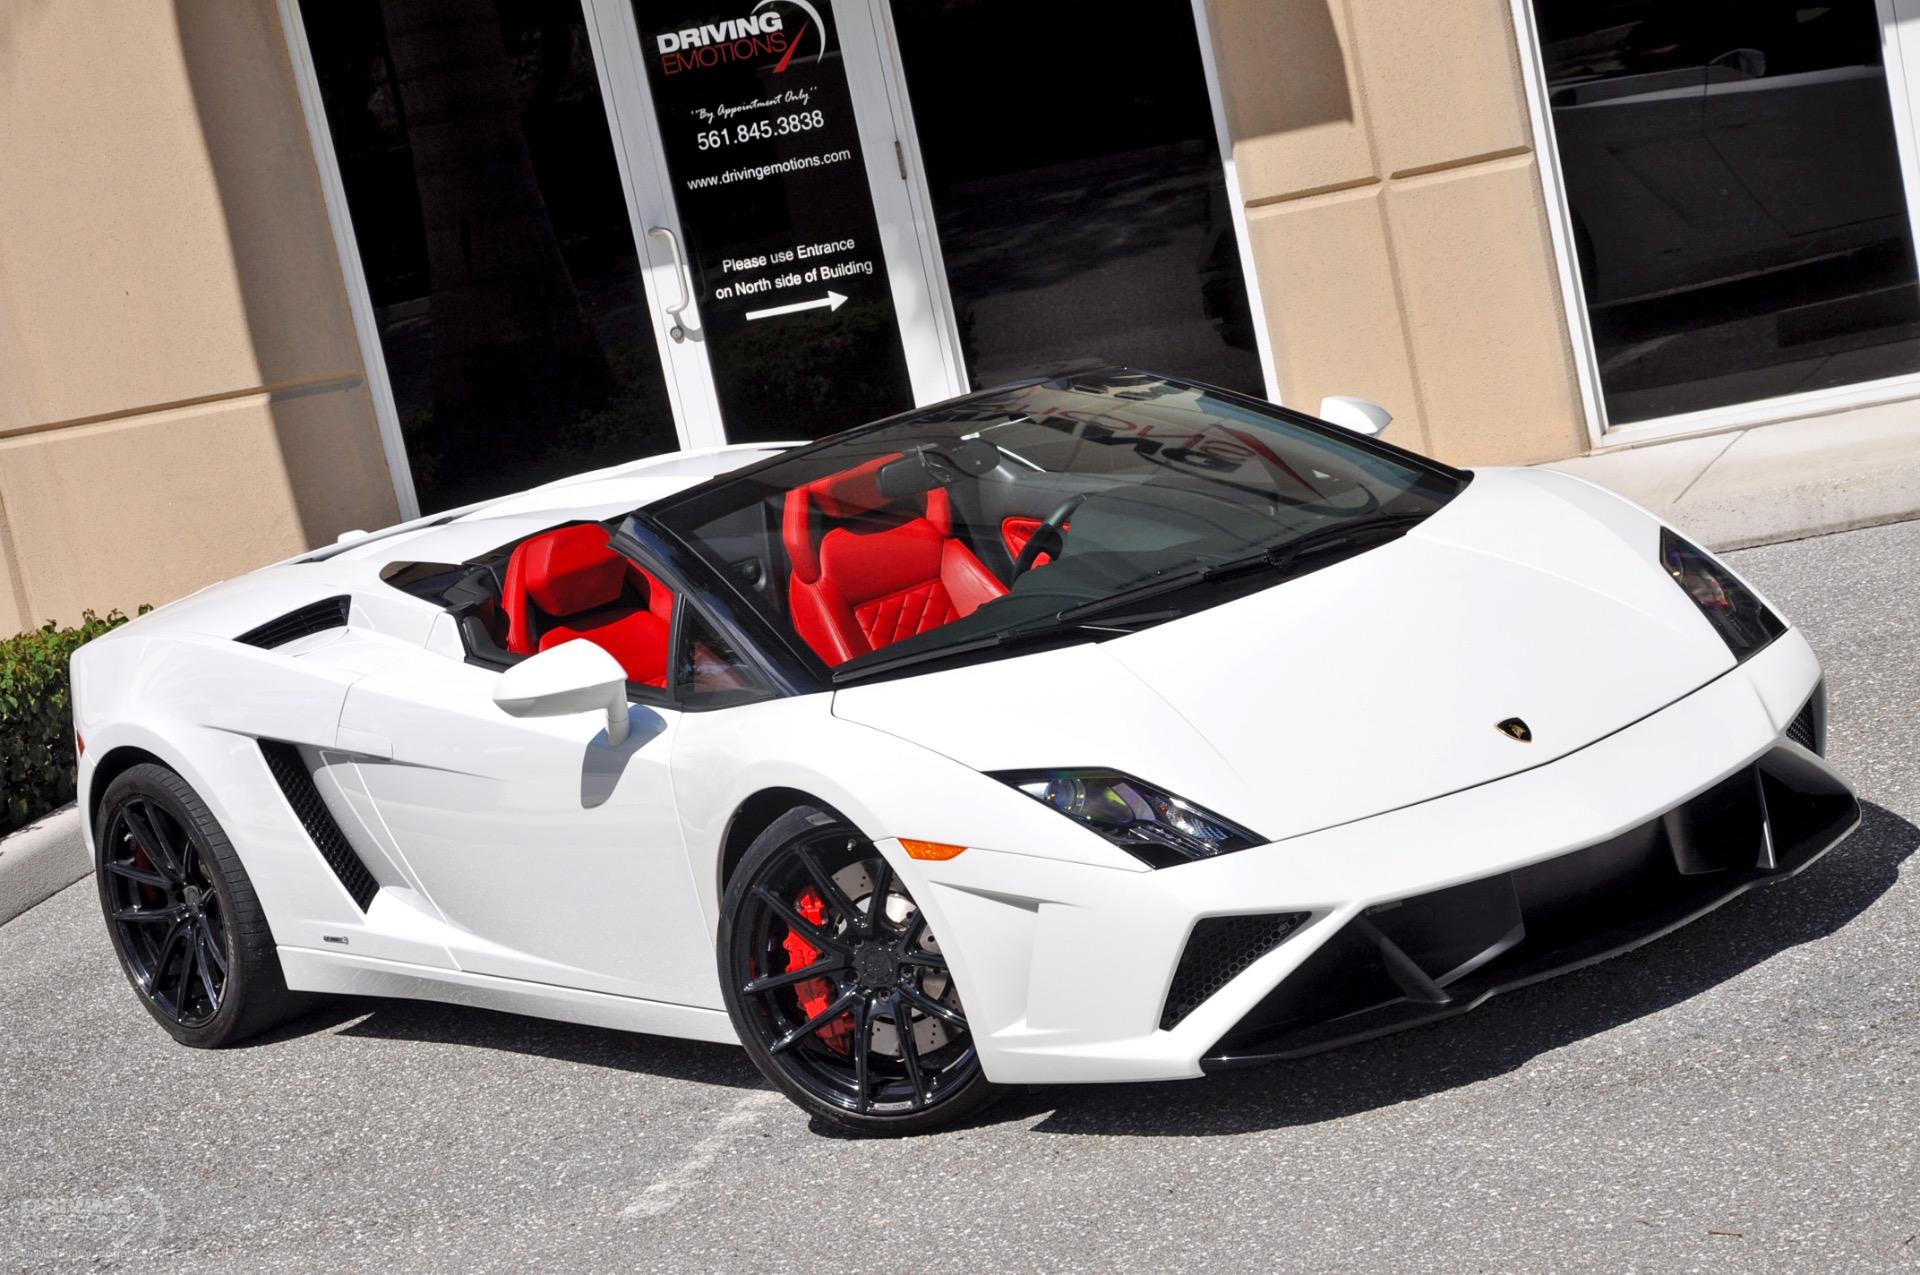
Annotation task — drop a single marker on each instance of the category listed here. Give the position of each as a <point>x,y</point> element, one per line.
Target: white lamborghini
<point>1093,728</point>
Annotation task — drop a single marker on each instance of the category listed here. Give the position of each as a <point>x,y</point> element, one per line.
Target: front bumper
<point>1074,974</point>
<point>1417,960</point>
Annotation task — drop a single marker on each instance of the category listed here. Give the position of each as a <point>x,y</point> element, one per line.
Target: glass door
<point>791,292</point>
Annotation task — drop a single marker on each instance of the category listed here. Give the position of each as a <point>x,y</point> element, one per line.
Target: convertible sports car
<point>1095,728</point>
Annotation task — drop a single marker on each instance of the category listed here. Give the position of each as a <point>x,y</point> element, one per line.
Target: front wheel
<point>838,987</point>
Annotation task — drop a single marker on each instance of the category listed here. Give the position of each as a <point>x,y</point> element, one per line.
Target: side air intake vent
<point>1220,949</point>
<point>290,772</point>
<point>316,617</point>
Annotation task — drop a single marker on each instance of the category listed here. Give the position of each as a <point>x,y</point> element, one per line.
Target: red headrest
<point>847,494</point>
<point>852,492</point>
<point>571,569</point>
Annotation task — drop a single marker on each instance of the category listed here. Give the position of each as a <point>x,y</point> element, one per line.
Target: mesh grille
<point>1800,729</point>
<point>1220,948</point>
<point>1804,729</point>
<point>290,772</point>
<point>316,617</point>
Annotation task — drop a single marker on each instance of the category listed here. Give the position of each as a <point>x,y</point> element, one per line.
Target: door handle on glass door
<point>678,331</point>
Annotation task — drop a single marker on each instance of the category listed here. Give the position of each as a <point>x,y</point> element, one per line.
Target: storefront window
<point>494,237</point>
<point>1077,187</point>
<point>1736,198</point>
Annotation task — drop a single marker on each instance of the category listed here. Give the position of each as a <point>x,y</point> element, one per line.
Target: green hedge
<point>36,718</point>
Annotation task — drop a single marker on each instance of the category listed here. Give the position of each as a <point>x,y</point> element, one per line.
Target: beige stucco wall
<point>181,393</point>
<point>1396,218</point>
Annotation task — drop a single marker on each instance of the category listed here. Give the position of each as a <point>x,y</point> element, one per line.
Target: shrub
<point>36,717</point>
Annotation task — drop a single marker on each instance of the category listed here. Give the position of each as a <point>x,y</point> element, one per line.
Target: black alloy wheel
<point>182,913</point>
<point>837,985</point>
<point>169,924</point>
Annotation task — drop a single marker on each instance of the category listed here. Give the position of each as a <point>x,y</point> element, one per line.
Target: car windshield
<point>1065,508</point>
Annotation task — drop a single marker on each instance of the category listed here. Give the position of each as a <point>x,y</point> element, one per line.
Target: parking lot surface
<point>1739,1096</point>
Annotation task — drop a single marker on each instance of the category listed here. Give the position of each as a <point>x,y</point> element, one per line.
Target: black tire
<point>177,903</point>
<point>846,1060</point>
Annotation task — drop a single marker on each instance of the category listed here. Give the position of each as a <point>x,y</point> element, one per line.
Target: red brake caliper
<point>148,894</point>
<point>816,993</point>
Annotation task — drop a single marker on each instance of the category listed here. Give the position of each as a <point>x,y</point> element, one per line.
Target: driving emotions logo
<point>773,29</point>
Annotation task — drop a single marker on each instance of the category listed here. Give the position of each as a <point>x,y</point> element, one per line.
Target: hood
<point>1369,685</point>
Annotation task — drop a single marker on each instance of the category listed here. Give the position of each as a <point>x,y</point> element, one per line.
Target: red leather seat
<point>568,583</point>
<point>880,570</point>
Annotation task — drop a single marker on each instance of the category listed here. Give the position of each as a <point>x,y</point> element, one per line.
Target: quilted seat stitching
<point>886,620</point>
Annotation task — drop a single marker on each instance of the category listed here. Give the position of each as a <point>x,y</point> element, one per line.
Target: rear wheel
<point>183,916</point>
<point>838,987</point>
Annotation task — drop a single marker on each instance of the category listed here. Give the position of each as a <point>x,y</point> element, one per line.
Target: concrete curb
<point>40,860</point>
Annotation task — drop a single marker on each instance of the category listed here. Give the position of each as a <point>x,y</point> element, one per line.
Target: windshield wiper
<point>1277,558</point>
<point>1027,634</point>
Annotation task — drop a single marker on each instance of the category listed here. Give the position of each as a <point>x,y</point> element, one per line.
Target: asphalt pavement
<point>1739,1096</point>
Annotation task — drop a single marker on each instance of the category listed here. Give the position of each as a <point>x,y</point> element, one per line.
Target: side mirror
<point>574,677</point>
<point>1357,414</point>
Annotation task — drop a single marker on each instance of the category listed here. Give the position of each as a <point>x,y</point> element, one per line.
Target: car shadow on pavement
<point>1508,1031</point>
<point>441,1024</point>
<point>1499,1037</point>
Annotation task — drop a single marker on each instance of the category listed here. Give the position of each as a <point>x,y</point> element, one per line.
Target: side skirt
<point>345,974</point>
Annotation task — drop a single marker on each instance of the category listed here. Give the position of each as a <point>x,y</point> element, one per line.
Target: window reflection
<point>487,206</point>
<point>1079,197</point>
<point>1736,197</point>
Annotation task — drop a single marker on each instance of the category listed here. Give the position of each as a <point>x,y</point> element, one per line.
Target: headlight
<point>1149,823</point>
<point>1742,620</point>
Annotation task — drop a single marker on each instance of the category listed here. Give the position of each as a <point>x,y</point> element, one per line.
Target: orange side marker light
<point>937,851</point>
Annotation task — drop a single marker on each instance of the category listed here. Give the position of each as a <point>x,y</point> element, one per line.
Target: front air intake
<point>1442,952</point>
<point>315,617</point>
<point>296,781</point>
<point>1218,951</point>
<point>1809,726</point>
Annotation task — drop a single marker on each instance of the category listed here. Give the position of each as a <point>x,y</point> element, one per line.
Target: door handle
<point>678,331</point>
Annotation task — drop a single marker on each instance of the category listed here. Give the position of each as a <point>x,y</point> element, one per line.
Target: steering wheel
<point>1048,537</point>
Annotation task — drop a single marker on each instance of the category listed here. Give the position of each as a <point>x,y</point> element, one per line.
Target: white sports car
<point>1094,728</point>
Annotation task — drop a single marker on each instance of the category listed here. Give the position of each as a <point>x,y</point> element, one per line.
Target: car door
<point>553,855</point>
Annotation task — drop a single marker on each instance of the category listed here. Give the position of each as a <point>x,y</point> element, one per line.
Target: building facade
<point>271,270</point>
